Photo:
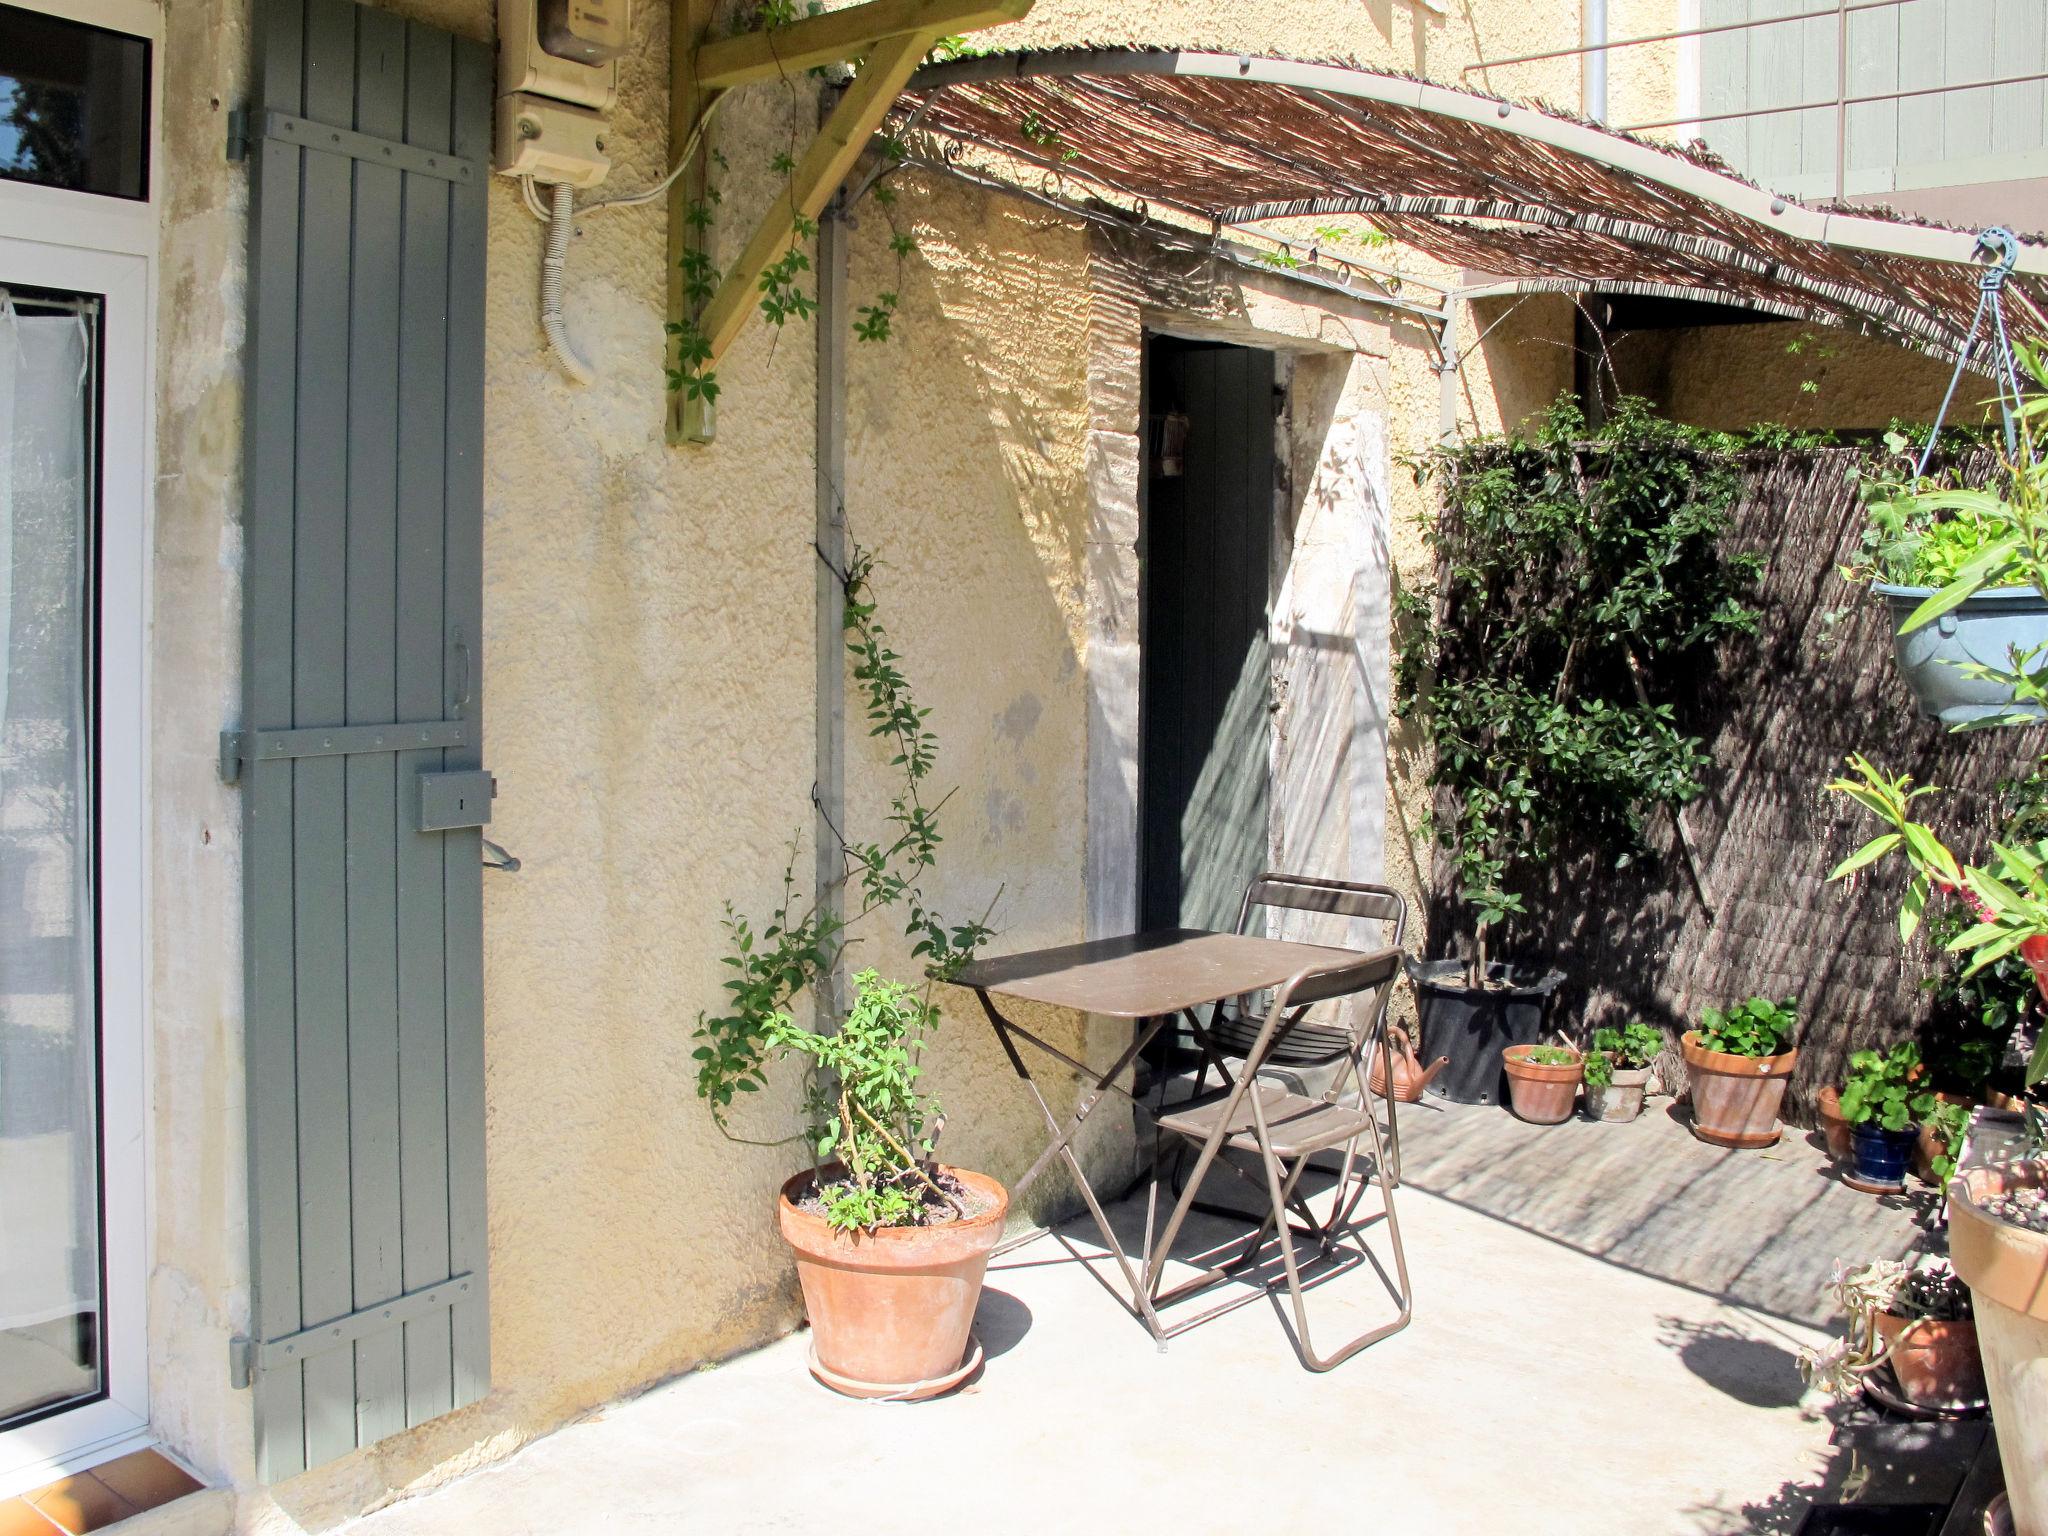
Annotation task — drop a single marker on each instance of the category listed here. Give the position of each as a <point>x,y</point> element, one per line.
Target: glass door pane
<point>51,1323</point>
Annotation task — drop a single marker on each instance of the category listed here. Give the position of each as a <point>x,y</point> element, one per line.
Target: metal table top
<point>1142,975</point>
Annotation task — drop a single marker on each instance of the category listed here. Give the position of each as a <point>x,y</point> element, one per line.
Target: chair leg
<point>1340,1223</point>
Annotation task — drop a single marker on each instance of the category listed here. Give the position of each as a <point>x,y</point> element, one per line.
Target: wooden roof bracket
<point>892,36</point>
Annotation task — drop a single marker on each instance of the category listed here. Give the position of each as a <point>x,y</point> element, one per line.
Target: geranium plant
<point>1627,1049</point>
<point>1754,1027</point>
<point>1886,1089</point>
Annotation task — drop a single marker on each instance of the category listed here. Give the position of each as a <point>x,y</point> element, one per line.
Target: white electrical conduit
<point>560,227</point>
<point>560,217</point>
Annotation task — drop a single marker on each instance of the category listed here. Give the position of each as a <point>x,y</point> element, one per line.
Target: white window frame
<point>84,242</point>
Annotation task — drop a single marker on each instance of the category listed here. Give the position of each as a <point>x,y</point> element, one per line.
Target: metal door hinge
<point>238,748</point>
<point>241,1361</point>
<point>238,133</point>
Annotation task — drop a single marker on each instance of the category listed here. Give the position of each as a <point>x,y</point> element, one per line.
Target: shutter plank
<point>267,787</point>
<point>319,698</point>
<point>469,1235</point>
<point>422,1033</point>
<point>371,685</point>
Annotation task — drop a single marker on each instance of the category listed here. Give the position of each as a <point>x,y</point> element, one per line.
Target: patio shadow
<point>1000,1322</point>
<point>1749,1369</point>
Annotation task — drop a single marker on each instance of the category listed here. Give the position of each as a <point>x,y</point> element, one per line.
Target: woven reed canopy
<point>1516,192</point>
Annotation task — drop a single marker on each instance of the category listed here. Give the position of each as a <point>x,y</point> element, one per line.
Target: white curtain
<point>49,1196</point>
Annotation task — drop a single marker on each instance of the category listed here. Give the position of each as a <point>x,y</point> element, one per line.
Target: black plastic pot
<point>1473,1026</point>
<point>1880,1157</point>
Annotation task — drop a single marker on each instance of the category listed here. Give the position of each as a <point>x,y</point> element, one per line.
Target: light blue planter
<point>1986,629</point>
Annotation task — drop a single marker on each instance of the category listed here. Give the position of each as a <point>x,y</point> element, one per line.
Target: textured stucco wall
<point>648,682</point>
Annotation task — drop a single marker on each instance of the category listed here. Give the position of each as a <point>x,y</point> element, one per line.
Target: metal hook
<point>505,861</point>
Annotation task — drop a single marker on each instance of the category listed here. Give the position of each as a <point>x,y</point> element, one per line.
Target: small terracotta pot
<point>1937,1366</point>
<point>1735,1099</point>
<point>2006,1269</point>
<point>1542,1095</point>
<point>1622,1099</point>
<point>891,1310</point>
<point>1834,1129</point>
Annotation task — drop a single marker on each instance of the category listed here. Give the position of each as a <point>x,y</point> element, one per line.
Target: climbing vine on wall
<point>783,295</point>
<point>775,960</point>
<point>1581,587</point>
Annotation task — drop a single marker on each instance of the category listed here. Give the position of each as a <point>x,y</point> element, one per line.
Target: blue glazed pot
<point>1986,630</point>
<point>1880,1157</point>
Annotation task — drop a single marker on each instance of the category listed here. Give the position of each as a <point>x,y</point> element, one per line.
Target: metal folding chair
<point>1304,1044</point>
<point>1286,1130</point>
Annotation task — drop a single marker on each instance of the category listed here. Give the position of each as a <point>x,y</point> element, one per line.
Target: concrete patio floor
<point>1605,1326</point>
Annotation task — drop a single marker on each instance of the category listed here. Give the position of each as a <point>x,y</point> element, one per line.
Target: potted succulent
<point>1739,1060</point>
<point>1884,1099</point>
<point>1581,594</point>
<point>1915,1318</point>
<point>1618,1070</point>
<point>1543,1081</point>
<point>890,1245</point>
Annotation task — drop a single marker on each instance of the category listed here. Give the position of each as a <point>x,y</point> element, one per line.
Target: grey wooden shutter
<point>368,139</point>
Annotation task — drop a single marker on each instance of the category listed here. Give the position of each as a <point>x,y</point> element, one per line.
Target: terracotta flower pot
<point>1621,1099</point>
<point>1540,1094</point>
<point>891,1310</point>
<point>2006,1268</point>
<point>1834,1129</point>
<point>1937,1366</point>
<point>1735,1099</point>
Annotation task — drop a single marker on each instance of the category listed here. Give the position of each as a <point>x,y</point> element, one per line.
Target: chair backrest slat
<point>1337,898</point>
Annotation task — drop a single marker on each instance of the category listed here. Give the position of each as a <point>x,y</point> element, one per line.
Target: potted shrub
<point>890,1245</point>
<point>1543,1081</point>
<point>1918,537</point>
<point>1884,1101</point>
<point>1916,1319</point>
<point>1618,1070</point>
<point>1581,593</point>
<point>1739,1060</point>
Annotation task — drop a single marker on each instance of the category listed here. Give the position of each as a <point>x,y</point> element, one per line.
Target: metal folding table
<point>1150,979</point>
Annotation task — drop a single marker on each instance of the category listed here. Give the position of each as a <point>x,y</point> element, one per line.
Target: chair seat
<point>1305,1045</point>
<point>1297,1125</point>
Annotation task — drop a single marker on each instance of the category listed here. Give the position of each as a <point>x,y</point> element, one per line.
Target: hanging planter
<point>1937,660</point>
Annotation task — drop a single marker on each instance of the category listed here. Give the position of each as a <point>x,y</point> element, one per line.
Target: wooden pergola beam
<point>817,176</point>
<point>775,51</point>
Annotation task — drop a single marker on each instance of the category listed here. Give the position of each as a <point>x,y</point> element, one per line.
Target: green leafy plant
<point>866,1109</point>
<point>775,961</point>
<point>1629,1049</point>
<point>1946,1122</point>
<point>1887,1089</point>
<point>1550,1056</point>
<point>1755,1027</point>
<point>1581,589</point>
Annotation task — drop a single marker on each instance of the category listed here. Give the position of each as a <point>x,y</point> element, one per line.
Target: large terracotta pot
<point>2006,1268</point>
<point>1735,1099</point>
<point>1937,1366</point>
<point>1834,1126</point>
<point>1542,1095</point>
<point>1410,1076</point>
<point>891,1310</point>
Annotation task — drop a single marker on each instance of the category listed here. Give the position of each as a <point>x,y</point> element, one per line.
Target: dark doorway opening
<point>1205,548</point>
